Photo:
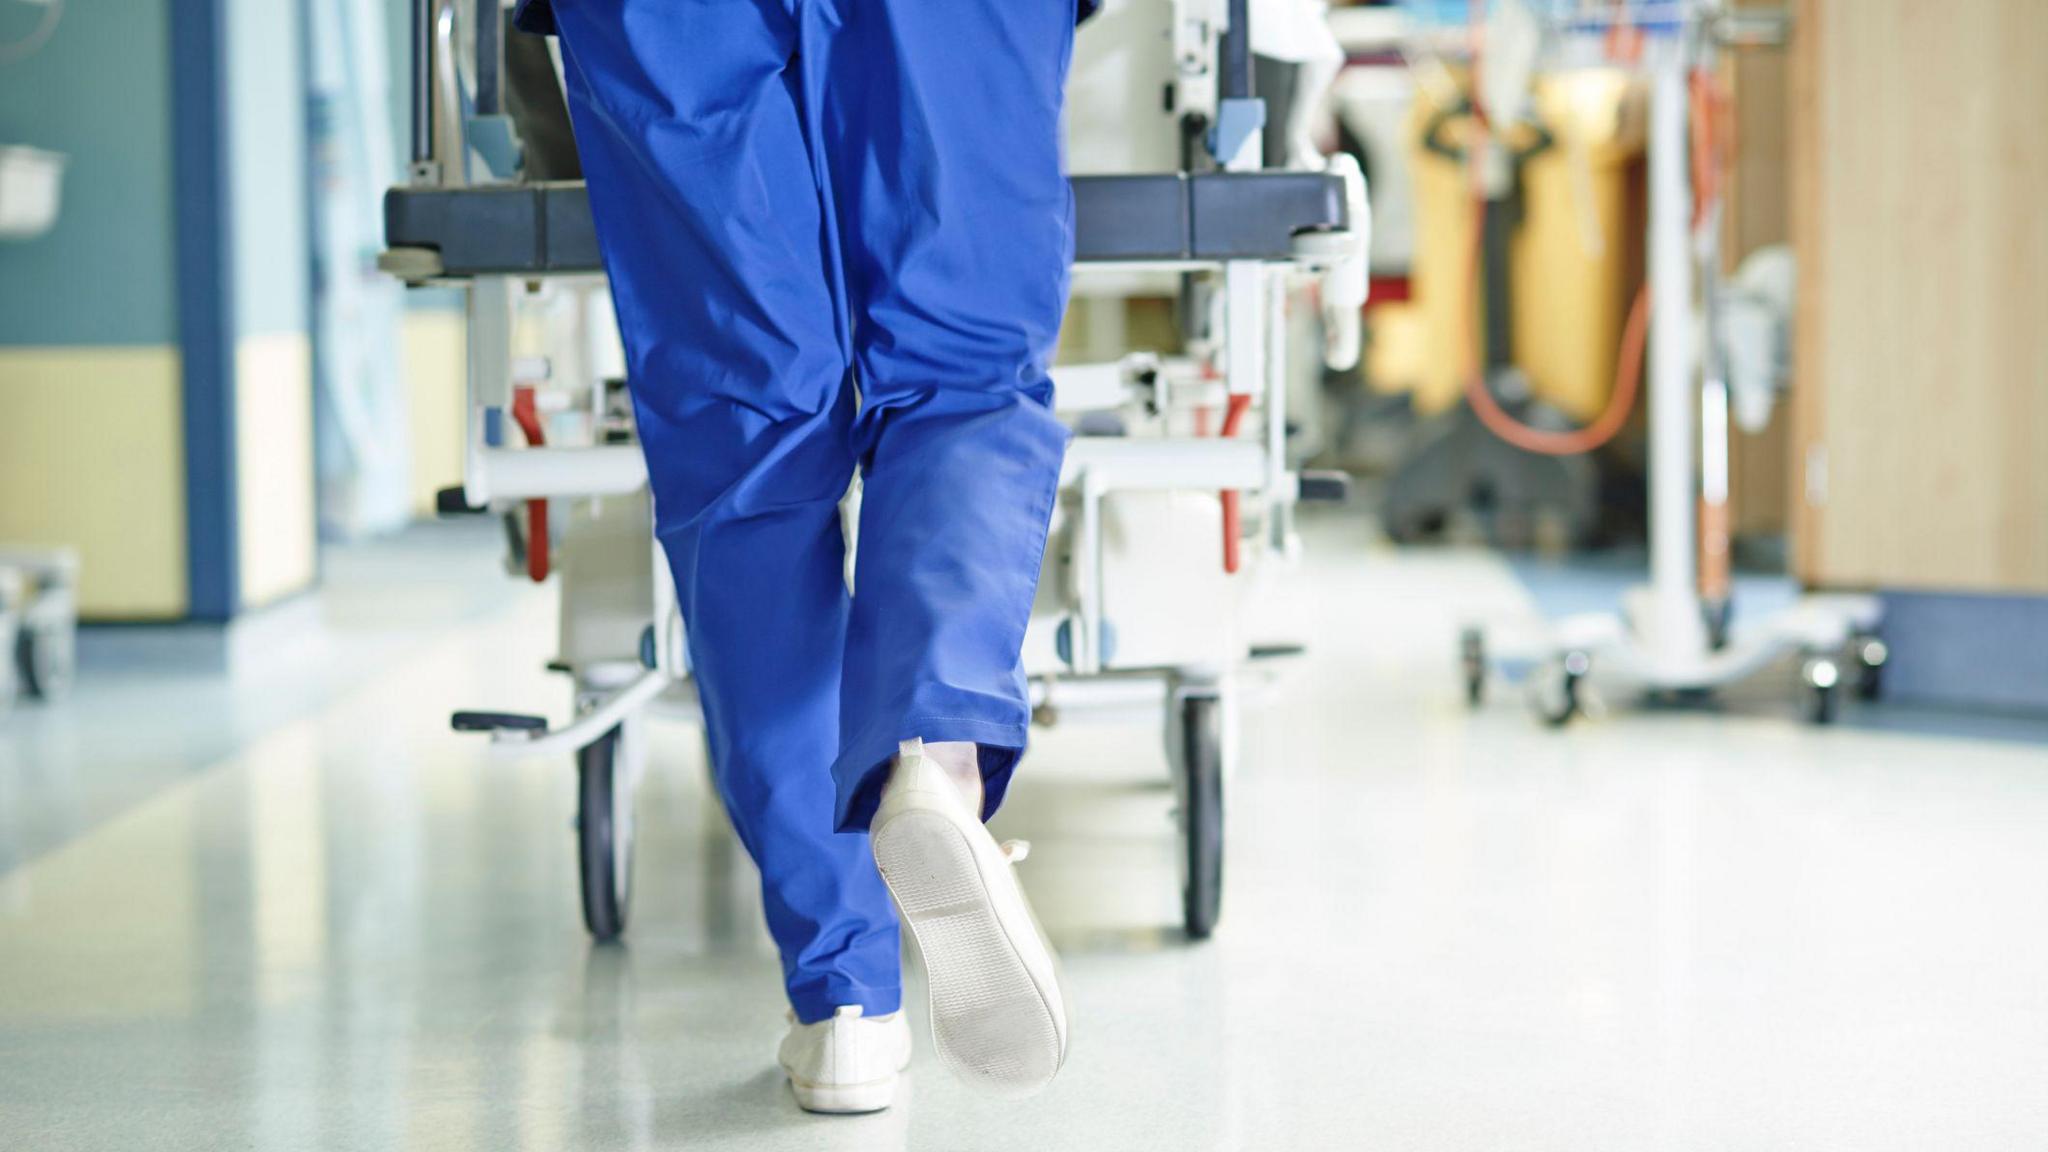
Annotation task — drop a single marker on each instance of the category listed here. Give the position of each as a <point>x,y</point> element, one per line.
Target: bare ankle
<point>961,760</point>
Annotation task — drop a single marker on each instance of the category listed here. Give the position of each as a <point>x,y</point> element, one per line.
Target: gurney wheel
<point>1202,813</point>
<point>604,835</point>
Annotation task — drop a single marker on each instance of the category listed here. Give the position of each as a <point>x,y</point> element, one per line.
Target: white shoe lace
<point>1015,851</point>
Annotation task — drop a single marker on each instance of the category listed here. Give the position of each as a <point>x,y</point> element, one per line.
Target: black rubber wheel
<point>1556,694</point>
<point>1870,655</point>
<point>1823,677</point>
<point>1823,706</point>
<point>603,848</point>
<point>1472,660</point>
<point>1201,720</point>
<point>46,657</point>
<point>1566,707</point>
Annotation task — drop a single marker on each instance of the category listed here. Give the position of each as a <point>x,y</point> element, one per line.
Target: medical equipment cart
<point>1667,639</point>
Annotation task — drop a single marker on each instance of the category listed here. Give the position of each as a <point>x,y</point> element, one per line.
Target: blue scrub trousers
<point>838,235</point>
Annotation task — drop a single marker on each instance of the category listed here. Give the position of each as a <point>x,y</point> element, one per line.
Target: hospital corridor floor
<point>277,904</point>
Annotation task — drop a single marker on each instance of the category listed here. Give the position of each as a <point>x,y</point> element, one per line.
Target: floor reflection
<point>1443,929</point>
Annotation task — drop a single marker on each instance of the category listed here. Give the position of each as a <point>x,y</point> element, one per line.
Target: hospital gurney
<point>1133,503</point>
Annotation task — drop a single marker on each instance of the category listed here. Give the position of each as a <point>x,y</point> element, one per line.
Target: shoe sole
<point>994,1022</point>
<point>872,1096</point>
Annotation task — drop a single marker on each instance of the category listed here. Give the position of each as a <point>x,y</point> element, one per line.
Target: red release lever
<point>526,413</point>
<point>1233,415</point>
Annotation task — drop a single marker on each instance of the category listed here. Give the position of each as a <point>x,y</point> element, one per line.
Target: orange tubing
<point>1628,377</point>
<point>1628,372</point>
<point>1233,416</point>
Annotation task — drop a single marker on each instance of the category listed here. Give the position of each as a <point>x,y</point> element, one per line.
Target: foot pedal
<point>497,722</point>
<point>1277,651</point>
<point>1325,487</point>
<point>455,502</point>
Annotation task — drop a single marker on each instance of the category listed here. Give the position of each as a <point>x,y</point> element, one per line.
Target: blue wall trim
<point>206,300</point>
<point>1967,651</point>
<point>312,115</point>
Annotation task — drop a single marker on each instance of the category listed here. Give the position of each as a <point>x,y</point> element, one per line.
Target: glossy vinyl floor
<point>237,912</point>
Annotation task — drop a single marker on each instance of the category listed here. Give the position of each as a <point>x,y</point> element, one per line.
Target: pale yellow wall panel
<point>435,359</point>
<point>92,456</point>
<point>274,465</point>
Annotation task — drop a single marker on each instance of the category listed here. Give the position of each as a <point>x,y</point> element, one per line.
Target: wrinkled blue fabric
<point>538,17</point>
<point>838,234</point>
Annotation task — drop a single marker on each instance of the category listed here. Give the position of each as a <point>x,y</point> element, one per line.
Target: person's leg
<point>709,214</point>
<point>961,761</point>
<point>941,125</point>
<point>940,122</point>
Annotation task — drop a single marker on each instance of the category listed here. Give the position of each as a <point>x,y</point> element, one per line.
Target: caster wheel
<point>1201,813</point>
<point>604,835</point>
<point>1472,660</point>
<point>46,657</point>
<point>1870,655</point>
<point>1558,694</point>
<point>1823,679</point>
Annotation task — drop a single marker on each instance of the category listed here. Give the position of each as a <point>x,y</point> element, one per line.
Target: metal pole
<point>422,81</point>
<point>1676,634</point>
<point>1237,52</point>
<point>490,59</point>
<point>1279,494</point>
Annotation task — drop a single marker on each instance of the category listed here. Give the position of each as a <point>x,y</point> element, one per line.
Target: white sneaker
<point>999,1019</point>
<point>847,1063</point>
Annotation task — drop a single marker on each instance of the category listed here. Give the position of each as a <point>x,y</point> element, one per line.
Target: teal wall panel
<point>98,91</point>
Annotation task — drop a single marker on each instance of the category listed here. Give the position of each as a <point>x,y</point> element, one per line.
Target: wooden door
<point>1920,215</point>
